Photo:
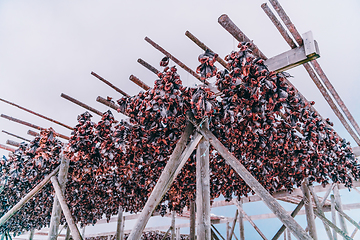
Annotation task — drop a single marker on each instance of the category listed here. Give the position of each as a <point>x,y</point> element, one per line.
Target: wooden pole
<point>229,25</point>
<point>107,103</point>
<point>293,214</point>
<point>213,235</point>
<point>241,222</point>
<point>333,215</point>
<point>67,235</point>
<point>119,224</point>
<point>178,234</point>
<point>177,61</point>
<point>167,233</point>
<point>27,197</point>
<point>352,221</point>
<point>24,139</point>
<point>56,210</point>
<point>69,219</point>
<point>309,211</point>
<point>37,114</point>
<point>251,221</point>
<point>33,133</point>
<point>31,236</point>
<point>227,230</point>
<point>180,153</point>
<point>204,47</point>
<point>271,202</point>
<point>83,232</point>
<point>310,71</point>
<point>110,84</point>
<point>330,224</point>
<point>192,220</point>
<point>7,148</point>
<point>288,234</point>
<point>203,189</point>
<point>12,143</point>
<point>148,66</point>
<point>173,225</point>
<point>73,100</point>
<point>339,205</point>
<point>31,125</point>
<point>138,82</point>
<point>319,209</point>
<point>233,225</point>
<point>214,228</point>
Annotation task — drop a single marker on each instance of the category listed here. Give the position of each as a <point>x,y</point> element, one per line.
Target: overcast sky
<point>51,47</point>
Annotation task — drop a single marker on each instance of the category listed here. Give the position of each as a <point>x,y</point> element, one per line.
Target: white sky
<point>50,47</point>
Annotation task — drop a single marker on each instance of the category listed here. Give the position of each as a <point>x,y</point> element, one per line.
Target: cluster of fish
<point>256,114</point>
<point>20,173</point>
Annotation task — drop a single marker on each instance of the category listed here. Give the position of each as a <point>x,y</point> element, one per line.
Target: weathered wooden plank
<point>330,224</point>
<point>309,211</point>
<point>310,45</point>
<point>233,225</point>
<point>333,215</point>
<point>56,210</point>
<point>173,225</point>
<point>119,226</point>
<point>339,204</point>
<point>27,197</point>
<point>214,228</point>
<point>192,220</point>
<point>203,189</point>
<point>173,166</point>
<point>69,219</point>
<point>254,184</point>
<point>241,222</point>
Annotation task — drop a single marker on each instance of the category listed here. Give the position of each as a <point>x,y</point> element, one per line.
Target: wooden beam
<point>309,211</point>
<point>27,197</point>
<point>319,209</point>
<point>173,166</point>
<point>293,214</point>
<point>250,221</point>
<point>330,224</point>
<point>203,188</point>
<point>233,225</point>
<point>241,222</point>
<point>167,232</point>
<point>108,103</point>
<point>347,217</point>
<point>177,61</point>
<point>339,204</point>
<point>214,228</point>
<point>173,225</point>
<point>333,215</point>
<point>12,143</point>
<point>24,139</point>
<point>138,82</point>
<point>119,226</point>
<point>274,206</point>
<point>148,66</point>
<point>33,133</point>
<point>291,58</point>
<point>192,220</point>
<point>69,219</point>
<point>110,84</point>
<point>56,210</point>
<point>77,102</point>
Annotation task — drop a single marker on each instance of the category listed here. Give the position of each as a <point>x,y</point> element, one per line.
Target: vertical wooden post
<point>285,235</point>
<point>119,224</point>
<point>241,222</point>
<point>288,234</point>
<point>333,215</point>
<point>178,237</point>
<point>250,221</point>
<point>83,232</point>
<point>67,235</point>
<point>203,189</point>
<point>233,225</point>
<point>227,230</point>
<point>122,229</point>
<point>173,225</point>
<point>338,203</point>
<point>56,210</point>
<point>69,219</point>
<point>319,209</point>
<point>31,236</point>
<point>192,220</point>
<point>309,211</point>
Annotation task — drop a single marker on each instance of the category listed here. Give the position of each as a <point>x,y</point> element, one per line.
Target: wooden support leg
<point>347,217</point>
<point>31,236</point>
<point>241,222</point>
<point>178,237</point>
<point>330,224</point>
<point>214,228</point>
<point>173,225</point>
<point>56,210</point>
<point>227,230</point>
<point>192,220</point>
<point>271,202</point>
<point>319,209</point>
<point>172,168</point>
<point>288,234</point>
<point>293,214</point>
<point>203,189</point>
<point>119,225</point>
<point>27,197</point>
<point>67,235</point>
<point>338,203</point>
<point>250,221</point>
<point>333,215</point>
<point>309,211</point>
<point>233,225</point>
<point>213,235</point>
<point>83,232</point>
<point>69,219</point>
